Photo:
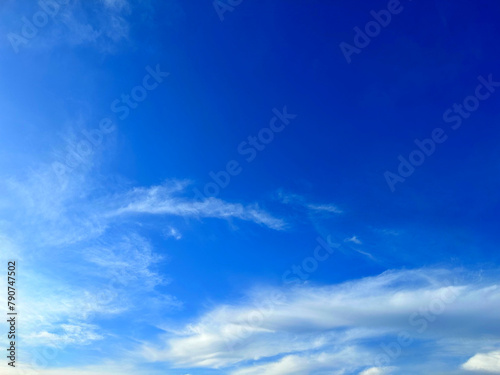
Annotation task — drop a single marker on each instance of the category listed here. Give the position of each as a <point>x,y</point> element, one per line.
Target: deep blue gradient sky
<point>128,270</point>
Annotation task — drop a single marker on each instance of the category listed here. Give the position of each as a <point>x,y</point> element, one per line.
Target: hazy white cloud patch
<point>124,367</point>
<point>102,26</point>
<point>172,232</point>
<point>379,371</point>
<point>354,240</point>
<point>66,334</point>
<point>128,260</point>
<point>485,362</point>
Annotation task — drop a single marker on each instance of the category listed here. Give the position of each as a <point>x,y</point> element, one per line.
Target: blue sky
<point>237,187</point>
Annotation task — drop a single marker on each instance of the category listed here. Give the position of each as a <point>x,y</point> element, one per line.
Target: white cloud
<point>378,371</point>
<point>335,363</point>
<point>129,261</point>
<point>354,239</point>
<point>166,200</point>
<point>125,367</point>
<point>54,312</point>
<point>307,321</point>
<point>172,232</point>
<point>68,334</point>
<point>298,200</point>
<point>69,209</point>
<point>104,25</point>
<point>488,362</point>
<point>324,207</point>
<point>94,271</point>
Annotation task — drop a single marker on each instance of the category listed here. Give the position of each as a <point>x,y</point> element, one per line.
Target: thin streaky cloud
<point>298,200</point>
<point>324,207</point>
<point>161,200</point>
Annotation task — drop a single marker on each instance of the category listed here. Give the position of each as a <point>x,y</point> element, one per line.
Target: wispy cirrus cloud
<point>300,201</point>
<point>167,200</point>
<point>74,208</point>
<point>102,272</point>
<point>67,334</point>
<point>129,260</point>
<point>323,208</point>
<point>103,24</point>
